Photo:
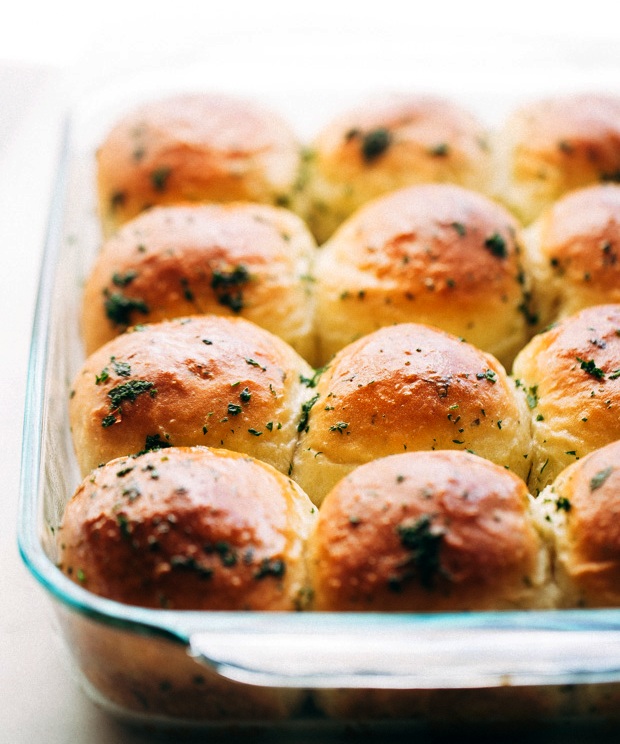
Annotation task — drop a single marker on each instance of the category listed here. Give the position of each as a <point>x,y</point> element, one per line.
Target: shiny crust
<point>427,532</point>
<point>571,376</point>
<point>386,143</point>
<point>189,529</point>
<point>207,380</point>
<point>437,254</point>
<point>550,146</point>
<point>403,388</point>
<point>244,259</point>
<point>194,147</point>
<point>583,505</point>
<point>572,252</point>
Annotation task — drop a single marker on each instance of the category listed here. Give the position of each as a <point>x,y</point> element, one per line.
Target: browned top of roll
<point>561,143</point>
<point>587,517</point>
<point>194,147</point>
<point>234,259</point>
<point>189,528</point>
<point>211,380</point>
<point>388,142</point>
<point>578,237</point>
<point>572,376</point>
<point>397,131</point>
<point>410,387</point>
<point>433,253</point>
<point>584,126</point>
<point>426,531</point>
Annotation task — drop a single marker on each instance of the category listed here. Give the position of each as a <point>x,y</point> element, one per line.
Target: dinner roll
<point>408,387</point>
<point>436,253</point>
<point>570,374</point>
<point>549,146</point>
<point>572,252</point>
<point>212,380</point>
<point>428,531</point>
<point>189,528</point>
<point>387,142</point>
<point>583,505</point>
<point>431,531</point>
<point>246,259</point>
<point>194,147</point>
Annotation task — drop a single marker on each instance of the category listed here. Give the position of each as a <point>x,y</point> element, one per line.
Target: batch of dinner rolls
<point>379,370</point>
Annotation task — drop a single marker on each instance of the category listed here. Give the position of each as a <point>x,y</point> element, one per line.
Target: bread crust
<point>250,260</point>
<point>570,374</point>
<point>583,505</point>
<point>428,531</point>
<point>403,388</point>
<point>388,142</point>
<point>438,254</point>
<point>549,146</point>
<point>206,147</point>
<point>189,529</point>
<point>207,380</point>
<point>572,253</point>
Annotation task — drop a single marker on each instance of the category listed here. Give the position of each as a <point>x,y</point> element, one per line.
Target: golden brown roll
<point>582,509</point>
<point>385,143</point>
<point>571,376</point>
<point>431,531</point>
<point>549,146</point>
<point>428,531</point>
<point>583,505</point>
<point>572,252</point>
<point>189,528</point>
<point>211,380</point>
<point>408,387</point>
<point>436,253</point>
<point>252,260</point>
<point>205,147</point>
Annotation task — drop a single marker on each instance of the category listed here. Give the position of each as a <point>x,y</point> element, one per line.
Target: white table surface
<point>39,699</point>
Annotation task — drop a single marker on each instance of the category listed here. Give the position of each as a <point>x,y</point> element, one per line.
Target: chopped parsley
<point>440,150</point>
<point>159,178</point>
<point>108,420</point>
<point>340,426</point>
<point>227,287</point>
<point>496,245</point>
<point>375,143</point>
<point>187,292</point>
<point>189,563</point>
<point>423,544</point>
<point>122,280</point>
<point>305,412</point>
<point>122,369</point>
<point>599,479</point>
<point>130,391</point>
<point>590,367</point>
<point>119,308</point>
<point>487,375</point>
<point>563,504</point>
<point>254,363</point>
<point>153,443</point>
<point>532,397</point>
<point>118,199</point>
<point>270,567</point>
<point>312,381</point>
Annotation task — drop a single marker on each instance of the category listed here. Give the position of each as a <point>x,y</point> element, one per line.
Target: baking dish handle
<point>402,655</point>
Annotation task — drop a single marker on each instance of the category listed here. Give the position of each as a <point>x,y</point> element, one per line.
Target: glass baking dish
<point>211,668</point>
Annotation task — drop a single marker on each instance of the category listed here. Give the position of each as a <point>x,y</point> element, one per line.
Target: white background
<point>53,54</point>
